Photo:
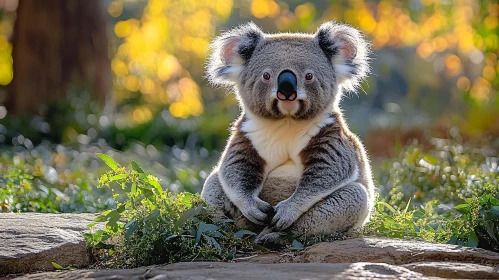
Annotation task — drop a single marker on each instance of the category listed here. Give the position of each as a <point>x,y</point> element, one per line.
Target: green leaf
<point>407,206</point>
<point>297,245</point>
<point>430,159</point>
<point>147,193</point>
<point>113,218</point>
<point>117,177</point>
<point>121,209</point>
<point>429,207</point>
<point>214,243</point>
<point>186,199</point>
<point>156,185</point>
<point>473,240</point>
<point>223,220</point>
<point>388,206</point>
<point>145,186</point>
<point>494,210</point>
<point>131,230</point>
<point>204,228</point>
<point>130,223</point>
<point>109,161</point>
<point>152,216</point>
<point>137,167</point>
<point>112,223</point>
<point>133,190</point>
<point>463,208</point>
<point>489,227</point>
<point>91,225</point>
<point>171,237</point>
<point>243,232</point>
<point>453,240</point>
<point>100,218</point>
<point>189,214</point>
<point>209,227</point>
<point>460,206</point>
<point>103,216</point>
<point>59,267</point>
<point>216,234</point>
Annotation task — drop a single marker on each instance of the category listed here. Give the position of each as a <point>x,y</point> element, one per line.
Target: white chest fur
<point>280,142</point>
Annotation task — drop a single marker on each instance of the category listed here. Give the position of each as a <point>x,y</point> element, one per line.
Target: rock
<point>283,271</point>
<point>455,270</point>
<point>32,241</point>
<point>395,251</point>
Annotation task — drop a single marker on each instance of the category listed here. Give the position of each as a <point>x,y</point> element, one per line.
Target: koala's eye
<point>309,76</point>
<point>266,76</point>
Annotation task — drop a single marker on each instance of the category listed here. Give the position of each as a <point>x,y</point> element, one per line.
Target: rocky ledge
<point>31,242</point>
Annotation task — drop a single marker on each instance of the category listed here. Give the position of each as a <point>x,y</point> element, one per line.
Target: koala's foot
<point>271,239</point>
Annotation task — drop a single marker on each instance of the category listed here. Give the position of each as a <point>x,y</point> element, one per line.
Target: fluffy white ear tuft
<point>230,53</point>
<point>348,51</point>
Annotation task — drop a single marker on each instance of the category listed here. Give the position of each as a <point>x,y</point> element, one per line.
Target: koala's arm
<point>330,163</point>
<point>241,174</point>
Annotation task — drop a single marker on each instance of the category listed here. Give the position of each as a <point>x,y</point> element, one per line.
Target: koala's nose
<point>286,86</point>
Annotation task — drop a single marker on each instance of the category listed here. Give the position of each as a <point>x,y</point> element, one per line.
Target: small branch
<point>245,258</point>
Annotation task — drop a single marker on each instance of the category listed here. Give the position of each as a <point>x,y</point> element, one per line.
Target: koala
<point>291,163</point>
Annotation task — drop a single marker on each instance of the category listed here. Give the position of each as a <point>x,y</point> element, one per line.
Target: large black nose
<point>286,86</point>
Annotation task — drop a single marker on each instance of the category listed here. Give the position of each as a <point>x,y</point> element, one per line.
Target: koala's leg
<point>215,196</point>
<point>342,211</point>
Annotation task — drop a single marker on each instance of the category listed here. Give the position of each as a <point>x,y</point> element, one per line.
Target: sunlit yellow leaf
<point>123,29</point>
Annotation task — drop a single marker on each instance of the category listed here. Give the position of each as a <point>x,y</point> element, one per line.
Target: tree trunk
<point>58,43</point>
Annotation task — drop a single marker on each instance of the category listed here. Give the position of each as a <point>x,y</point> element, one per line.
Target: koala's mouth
<point>287,107</point>
<point>292,109</point>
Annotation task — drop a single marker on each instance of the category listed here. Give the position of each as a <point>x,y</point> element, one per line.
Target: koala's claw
<point>284,216</point>
<point>270,238</point>
<point>258,211</point>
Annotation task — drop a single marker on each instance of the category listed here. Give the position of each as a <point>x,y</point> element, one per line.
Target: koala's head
<point>289,75</point>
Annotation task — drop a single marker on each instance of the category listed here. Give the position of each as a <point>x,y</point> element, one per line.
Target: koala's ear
<point>347,49</point>
<point>230,53</point>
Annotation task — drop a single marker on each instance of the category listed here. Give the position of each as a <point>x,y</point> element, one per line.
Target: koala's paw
<point>257,211</point>
<point>272,240</point>
<point>285,216</point>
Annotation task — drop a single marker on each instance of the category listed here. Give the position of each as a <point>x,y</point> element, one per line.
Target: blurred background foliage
<point>125,77</point>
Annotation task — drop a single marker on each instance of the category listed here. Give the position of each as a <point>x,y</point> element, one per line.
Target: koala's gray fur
<point>299,170</point>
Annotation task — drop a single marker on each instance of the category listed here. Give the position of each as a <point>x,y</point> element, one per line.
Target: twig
<point>245,258</point>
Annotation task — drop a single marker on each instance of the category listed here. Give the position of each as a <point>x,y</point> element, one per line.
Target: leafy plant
<point>49,178</point>
<point>63,178</point>
<point>474,223</point>
<point>447,194</point>
<point>417,223</point>
<point>152,225</point>
<point>480,221</point>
